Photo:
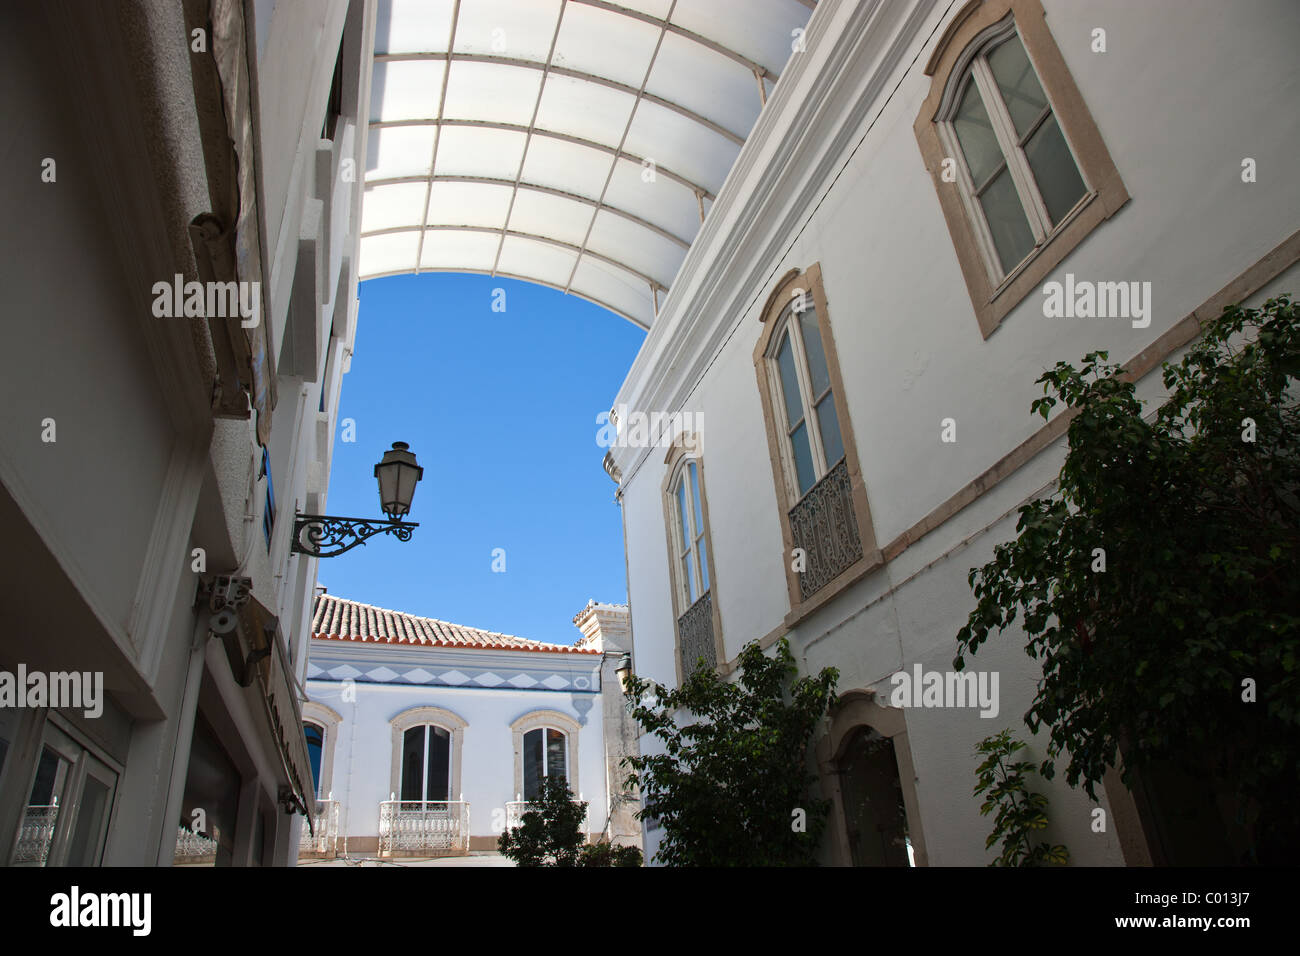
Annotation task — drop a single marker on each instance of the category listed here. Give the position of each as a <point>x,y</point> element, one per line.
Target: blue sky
<point>500,409</point>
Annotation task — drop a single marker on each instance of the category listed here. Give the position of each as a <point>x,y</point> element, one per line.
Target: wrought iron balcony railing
<point>36,834</point>
<point>825,527</point>
<point>423,826</point>
<point>695,635</point>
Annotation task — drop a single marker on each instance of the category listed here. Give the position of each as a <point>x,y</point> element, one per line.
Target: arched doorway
<point>875,816</point>
<point>866,769</point>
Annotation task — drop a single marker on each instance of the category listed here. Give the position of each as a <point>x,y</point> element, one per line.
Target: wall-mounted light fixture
<point>325,536</point>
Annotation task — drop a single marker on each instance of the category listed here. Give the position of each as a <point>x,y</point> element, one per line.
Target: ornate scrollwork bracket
<point>323,536</point>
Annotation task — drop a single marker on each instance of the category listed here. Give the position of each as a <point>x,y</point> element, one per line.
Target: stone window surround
<point>329,720</point>
<point>782,476</point>
<point>687,448</point>
<point>415,717</point>
<point>854,709</point>
<point>540,720</point>
<point>961,41</point>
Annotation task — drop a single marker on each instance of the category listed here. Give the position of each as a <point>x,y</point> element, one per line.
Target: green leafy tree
<point>1020,812</point>
<point>609,854</point>
<point>1159,586</point>
<point>550,833</point>
<point>731,787</point>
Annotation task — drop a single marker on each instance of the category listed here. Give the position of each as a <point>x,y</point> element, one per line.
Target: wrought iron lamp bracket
<point>325,536</point>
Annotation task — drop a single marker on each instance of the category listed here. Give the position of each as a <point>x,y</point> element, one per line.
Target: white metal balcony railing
<point>325,820</point>
<point>430,825</point>
<point>36,834</point>
<point>191,846</point>
<point>515,810</point>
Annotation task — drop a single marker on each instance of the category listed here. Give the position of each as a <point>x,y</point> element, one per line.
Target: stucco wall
<point>1184,93</point>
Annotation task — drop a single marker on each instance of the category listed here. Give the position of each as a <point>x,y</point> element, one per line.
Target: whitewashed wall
<point>362,761</point>
<point>1184,93</point>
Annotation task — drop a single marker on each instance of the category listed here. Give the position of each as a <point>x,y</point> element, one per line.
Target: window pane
<point>532,764</point>
<point>803,461</point>
<point>1006,219</point>
<point>695,497</point>
<point>84,850</point>
<point>49,778</point>
<point>1018,84</point>
<point>315,741</point>
<point>1054,169</point>
<point>437,776</point>
<point>828,421</point>
<point>789,381</point>
<point>704,563</point>
<point>556,762</point>
<point>683,511</point>
<point>688,575</point>
<point>812,342</point>
<point>412,764</point>
<point>975,134</point>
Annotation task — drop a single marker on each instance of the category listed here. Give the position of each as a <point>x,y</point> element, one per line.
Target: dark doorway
<point>873,801</point>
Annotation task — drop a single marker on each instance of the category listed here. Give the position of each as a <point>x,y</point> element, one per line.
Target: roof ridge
<point>381,634</point>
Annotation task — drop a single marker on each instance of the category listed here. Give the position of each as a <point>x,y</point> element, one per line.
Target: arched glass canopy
<point>574,143</point>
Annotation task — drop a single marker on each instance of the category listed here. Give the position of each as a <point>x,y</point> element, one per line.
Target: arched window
<point>545,755</point>
<point>813,443</point>
<point>1020,168</point>
<point>321,726</point>
<point>315,735</point>
<point>427,746</point>
<point>426,764</point>
<point>826,526</point>
<point>692,551</point>
<point>545,744</point>
<point>1017,169</point>
<point>690,558</point>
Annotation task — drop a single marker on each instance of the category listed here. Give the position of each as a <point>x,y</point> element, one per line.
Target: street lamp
<point>397,473</point>
<point>325,536</point>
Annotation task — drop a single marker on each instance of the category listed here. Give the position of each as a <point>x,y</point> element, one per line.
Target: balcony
<point>423,827</point>
<point>695,635</point>
<point>322,837</point>
<point>33,847</point>
<point>515,810</point>
<point>193,849</point>
<point>825,527</point>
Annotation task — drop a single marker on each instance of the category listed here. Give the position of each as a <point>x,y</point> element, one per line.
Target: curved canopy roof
<point>573,143</point>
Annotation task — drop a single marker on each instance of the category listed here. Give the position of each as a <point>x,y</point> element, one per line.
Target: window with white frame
<point>426,764</point>
<point>1020,178</point>
<point>813,444</point>
<point>689,540</point>
<point>546,754</point>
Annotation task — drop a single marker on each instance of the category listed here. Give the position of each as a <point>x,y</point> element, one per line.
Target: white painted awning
<point>573,143</point>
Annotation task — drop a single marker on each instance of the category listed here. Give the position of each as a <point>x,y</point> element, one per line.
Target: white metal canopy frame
<point>577,144</point>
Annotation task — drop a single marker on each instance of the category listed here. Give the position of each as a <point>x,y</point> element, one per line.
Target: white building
<point>860,322</point>
<point>155,447</point>
<point>429,738</point>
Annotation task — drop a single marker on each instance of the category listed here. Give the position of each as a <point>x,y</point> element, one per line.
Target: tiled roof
<point>339,619</point>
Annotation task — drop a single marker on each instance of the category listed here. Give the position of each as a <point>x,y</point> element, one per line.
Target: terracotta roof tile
<point>339,619</point>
